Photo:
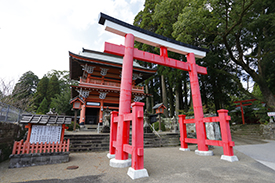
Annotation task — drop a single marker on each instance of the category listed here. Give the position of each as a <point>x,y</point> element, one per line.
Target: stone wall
<point>268,131</point>
<point>9,132</point>
<point>25,160</point>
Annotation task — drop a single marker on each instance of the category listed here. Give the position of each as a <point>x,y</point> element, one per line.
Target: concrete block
<point>204,153</point>
<point>229,158</point>
<point>110,156</point>
<point>184,149</point>
<point>120,163</point>
<point>136,174</point>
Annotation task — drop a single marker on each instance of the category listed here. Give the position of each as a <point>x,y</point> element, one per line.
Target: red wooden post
<point>242,113</point>
<point>123,127</point>
<point>225,133</point>
<point>68,145</point>
<point>29,126</point>
<point>137,136</point>
<point>113,135</point>
<point>137,149</point>
<point>14,147</point>
<point>183,134</point>
<point>63,132</point>
<point>197,105</point>
<point>226,136</point>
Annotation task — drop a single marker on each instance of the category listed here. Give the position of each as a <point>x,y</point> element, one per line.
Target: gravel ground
<point>162,164</point>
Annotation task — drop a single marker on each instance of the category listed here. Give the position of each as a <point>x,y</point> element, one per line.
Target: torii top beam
<point>122,28</point>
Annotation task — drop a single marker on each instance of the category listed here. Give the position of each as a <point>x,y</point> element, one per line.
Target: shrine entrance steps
<point>89,127</point>
<point>85,142</point>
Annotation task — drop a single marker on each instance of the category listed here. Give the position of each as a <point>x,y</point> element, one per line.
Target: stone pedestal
<point>184,149</point>
<point>136,174</point>
<point>110,156</point>
<point>204,153</point>
<point>120,163</point>
<point>229,158</point>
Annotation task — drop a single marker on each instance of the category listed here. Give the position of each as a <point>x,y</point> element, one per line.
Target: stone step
<point>100,142</point>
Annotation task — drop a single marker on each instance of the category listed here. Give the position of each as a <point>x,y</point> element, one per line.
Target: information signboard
<point>49,134</point>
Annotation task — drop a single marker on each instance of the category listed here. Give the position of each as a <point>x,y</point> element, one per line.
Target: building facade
<point>99,77</point>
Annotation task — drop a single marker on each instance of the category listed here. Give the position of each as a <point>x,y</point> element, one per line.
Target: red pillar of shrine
<point>197,106</point>
<point>82,115</point>
<point>123,128</point>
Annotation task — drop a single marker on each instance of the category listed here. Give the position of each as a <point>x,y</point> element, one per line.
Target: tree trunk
<point>147,98</point>
<point>164,95</point>
<point>171,101</point>
<point>177,102</point>
<point>268,96</point>
<point>186,96</point>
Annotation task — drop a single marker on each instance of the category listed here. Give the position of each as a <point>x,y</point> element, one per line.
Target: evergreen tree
<point>53,88</point>
<point>41,92</point>
<point>244,29</point>
<point>61,102</point>
<point>43,107</point>
<point>22,94</point>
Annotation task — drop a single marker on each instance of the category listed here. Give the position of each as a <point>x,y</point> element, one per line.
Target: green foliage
<point>243,29</point>
<point>41,91</point>
<point>22,94</point>
<point>53,88</point>
<point>61,102</point>
<point>43,107</point>
<point>71,126</point>
<point>156,126</point>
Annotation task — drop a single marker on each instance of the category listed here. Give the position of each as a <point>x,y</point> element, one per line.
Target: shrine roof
<point>108,58</point>
<point>45,119</point>
<point>102,59</point>
<point>158,105</point>
<point>144,36</point>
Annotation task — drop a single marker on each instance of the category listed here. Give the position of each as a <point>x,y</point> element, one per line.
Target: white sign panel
<point>47,134</point>
<point>271,113</point>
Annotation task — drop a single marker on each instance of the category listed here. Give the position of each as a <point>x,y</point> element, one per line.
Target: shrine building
<point>99,76</point>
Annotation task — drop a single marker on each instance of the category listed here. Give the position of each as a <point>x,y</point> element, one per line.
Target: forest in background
<point>240,63</point>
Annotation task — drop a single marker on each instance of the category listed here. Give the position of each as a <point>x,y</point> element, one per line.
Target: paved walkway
<point>263,153</point>
<point>162,164</point>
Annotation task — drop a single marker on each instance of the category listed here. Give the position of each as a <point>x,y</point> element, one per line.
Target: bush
<point>71,126</point>
<point>156,126</point>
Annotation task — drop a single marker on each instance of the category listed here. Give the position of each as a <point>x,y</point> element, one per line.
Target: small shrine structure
<point>159,110</point>
<point>45,142</point>
<point>99,76</point>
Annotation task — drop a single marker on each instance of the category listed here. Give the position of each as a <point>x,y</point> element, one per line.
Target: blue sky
<point>37,35</point>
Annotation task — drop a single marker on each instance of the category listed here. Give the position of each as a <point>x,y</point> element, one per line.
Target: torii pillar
<point>123,128</point>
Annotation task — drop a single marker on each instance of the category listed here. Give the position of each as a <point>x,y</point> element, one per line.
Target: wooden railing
<point>107,83</point>
<point>21,147</point>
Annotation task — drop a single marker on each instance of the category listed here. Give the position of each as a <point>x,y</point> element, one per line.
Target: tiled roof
<point>158,105</point>
<point>45,119</point>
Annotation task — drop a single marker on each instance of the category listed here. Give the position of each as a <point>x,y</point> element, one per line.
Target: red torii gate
<point>244,103</point>
<point>120,125</point>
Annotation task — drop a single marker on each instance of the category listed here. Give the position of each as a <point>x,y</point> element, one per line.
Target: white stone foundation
<point>120,163</point>
<point>204,153</point>
<point>136,174</point>
<point>184,149</point>
<point>229,158</point>
<point>110,156</point>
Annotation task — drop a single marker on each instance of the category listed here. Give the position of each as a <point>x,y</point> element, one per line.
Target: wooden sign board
<point>49,134</point>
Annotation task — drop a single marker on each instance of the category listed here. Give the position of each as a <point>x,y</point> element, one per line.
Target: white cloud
<point>37,35</point>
